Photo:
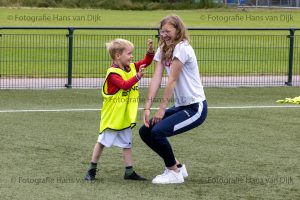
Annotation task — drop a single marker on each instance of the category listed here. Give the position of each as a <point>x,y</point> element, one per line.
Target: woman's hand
<point>146,117</point>
<point>158,116</point>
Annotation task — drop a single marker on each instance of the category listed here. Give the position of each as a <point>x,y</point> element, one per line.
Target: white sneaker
<point>169,176</point>
<point>166,171</point>
<point>184,171</point>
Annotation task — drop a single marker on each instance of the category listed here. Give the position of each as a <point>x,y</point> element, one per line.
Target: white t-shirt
<point>189,88</point>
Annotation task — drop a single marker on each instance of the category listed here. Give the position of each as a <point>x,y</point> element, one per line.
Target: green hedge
<point>114,4</point>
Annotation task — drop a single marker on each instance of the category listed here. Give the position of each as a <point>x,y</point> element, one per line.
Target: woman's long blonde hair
<point>181,34</point>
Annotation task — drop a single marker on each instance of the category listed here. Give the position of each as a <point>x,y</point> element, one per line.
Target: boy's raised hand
<point>150,45</point>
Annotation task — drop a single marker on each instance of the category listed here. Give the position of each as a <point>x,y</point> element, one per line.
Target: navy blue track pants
<point>175,121</point>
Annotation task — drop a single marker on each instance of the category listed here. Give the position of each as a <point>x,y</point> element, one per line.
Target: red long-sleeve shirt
<point>116,82</point>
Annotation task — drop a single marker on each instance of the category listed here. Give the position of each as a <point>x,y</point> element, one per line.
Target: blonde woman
<point>175,55</point>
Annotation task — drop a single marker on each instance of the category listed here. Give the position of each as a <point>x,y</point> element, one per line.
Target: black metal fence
<point>267,3</point>
<point>57,57</point>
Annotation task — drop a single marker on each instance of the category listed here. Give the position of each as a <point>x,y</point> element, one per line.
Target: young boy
<point>120,104</point>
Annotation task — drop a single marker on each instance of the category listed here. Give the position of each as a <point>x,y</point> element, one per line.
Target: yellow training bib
<point>119,110</point>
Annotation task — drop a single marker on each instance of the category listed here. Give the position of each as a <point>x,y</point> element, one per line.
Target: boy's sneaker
<point>134,176</point>
<point>90,175</point>
<point>184,171</point>
<point>168,177</point>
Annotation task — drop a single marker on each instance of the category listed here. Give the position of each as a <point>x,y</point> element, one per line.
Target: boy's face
<point>124,59</point>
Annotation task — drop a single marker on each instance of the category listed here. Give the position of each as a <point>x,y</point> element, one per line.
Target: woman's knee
<point>157,134</point>
<point>144,131</point>
<point>154,133</point>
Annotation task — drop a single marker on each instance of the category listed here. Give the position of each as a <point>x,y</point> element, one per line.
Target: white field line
<point>94,109</point>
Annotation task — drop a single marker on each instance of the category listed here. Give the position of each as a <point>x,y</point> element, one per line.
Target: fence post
<point>291,57</point>
<point>158,35</point>
<point>70,57</point>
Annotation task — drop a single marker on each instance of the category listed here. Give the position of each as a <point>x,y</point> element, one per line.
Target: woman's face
<point>168,33</point>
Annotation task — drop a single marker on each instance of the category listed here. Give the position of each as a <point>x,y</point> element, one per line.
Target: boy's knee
<point>101,146</point>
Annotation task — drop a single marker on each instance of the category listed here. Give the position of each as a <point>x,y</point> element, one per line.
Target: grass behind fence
<point>47,55</point>
<point>193,18</point>
<point>237,53</point>
<point>236,154</point>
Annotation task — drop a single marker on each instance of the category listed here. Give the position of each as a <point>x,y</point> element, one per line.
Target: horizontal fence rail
<point>76,57</point>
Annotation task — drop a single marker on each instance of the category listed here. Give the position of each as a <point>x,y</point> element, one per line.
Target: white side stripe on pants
<point>190,120</point>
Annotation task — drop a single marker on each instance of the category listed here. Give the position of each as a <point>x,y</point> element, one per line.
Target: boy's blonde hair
<point>117,46</point>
